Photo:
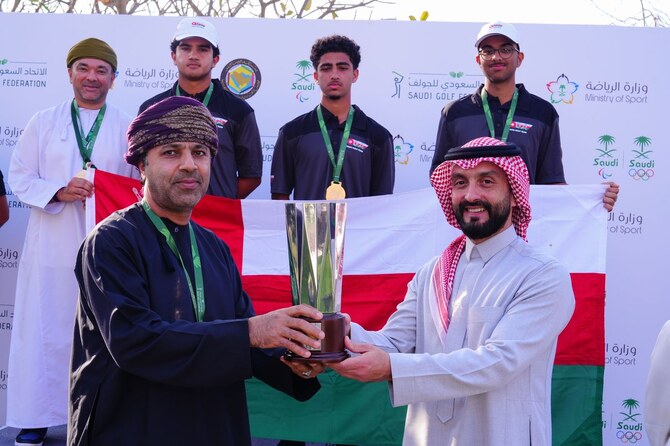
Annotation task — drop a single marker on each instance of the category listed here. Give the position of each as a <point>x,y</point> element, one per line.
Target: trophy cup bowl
<point>315,235</point>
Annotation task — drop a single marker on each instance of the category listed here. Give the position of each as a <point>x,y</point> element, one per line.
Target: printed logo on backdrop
<point>616,92</point>
<point>9,259</point>
<point>402,150</point>
<point>607,159</point>
<point>629,429</point>
<point>641,166</point>
<point>148,78</point>
<point>620,355</point>
<point>9,135</point>
<point>13,203</point>
<point>427,152</point>
<point>268,147</point>
<point>303,86</point>
<point>22,74</point>
<point>625,224</point>
<point>434,86</point>
<point>562,90</point>
<point>241,77</point>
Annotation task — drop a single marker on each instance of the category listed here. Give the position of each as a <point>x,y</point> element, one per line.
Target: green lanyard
<point>337,168</point>
<point>86,144</point>
<point>208,95</point>
<point>198,297</point>
<point>510,114</point>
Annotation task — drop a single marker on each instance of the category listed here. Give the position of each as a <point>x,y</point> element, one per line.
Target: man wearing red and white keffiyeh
<point>470,349</point>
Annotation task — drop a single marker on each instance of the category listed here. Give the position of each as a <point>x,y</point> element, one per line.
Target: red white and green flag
<point>387,239</point>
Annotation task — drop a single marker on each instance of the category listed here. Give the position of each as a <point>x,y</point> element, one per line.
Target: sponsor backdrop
<point>610,103</point>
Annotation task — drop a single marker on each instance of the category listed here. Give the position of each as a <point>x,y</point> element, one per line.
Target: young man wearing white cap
<point>505,110</point>
<point>237,168</point>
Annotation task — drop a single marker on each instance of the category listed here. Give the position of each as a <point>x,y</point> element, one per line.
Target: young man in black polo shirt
<point>505,110</point>
<point>334,151</point>
<point>238,165</point>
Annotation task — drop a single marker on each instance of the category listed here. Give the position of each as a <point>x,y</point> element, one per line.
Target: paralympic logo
<point>303,84</point>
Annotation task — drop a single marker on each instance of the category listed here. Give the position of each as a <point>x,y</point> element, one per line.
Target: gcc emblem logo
<point>241,77</point>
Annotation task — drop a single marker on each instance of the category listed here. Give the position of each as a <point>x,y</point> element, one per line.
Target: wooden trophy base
<point>332,346</point>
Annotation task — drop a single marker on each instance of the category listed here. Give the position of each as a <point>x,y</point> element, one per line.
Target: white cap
<point>497,29</point>
<point>196,27</point>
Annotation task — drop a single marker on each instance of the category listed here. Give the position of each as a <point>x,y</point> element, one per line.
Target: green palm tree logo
<point>606,140</point>
<point>630,404</point>
<point>642,142</point>
<point>303,65</point>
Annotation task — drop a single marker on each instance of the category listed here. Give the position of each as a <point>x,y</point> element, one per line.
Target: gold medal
<point>335,191</point>
<point>81,174</point>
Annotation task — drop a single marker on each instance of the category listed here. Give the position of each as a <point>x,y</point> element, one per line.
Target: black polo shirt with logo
<point>534,130</point>
<point>301,165</point>
<point>240,152</point>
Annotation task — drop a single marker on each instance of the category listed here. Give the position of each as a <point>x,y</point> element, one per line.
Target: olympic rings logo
<point>641,174</point>
<point>629,437</point>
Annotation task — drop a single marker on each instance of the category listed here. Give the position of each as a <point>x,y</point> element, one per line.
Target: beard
<point>474,229</point>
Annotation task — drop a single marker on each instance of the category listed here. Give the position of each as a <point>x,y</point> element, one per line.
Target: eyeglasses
<point>505,52</point>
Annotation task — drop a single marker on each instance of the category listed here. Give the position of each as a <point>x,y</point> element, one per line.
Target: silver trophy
<point>315,234</point>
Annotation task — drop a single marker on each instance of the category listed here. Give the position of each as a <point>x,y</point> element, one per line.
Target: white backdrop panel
<point>612,129</point>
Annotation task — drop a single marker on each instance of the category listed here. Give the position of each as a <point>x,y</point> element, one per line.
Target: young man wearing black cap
<point>238,166</point>
<point>503,109</point>
<point>46,171</point>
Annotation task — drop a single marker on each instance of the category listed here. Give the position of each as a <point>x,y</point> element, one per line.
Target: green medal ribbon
<point>337,167</point>
<point>197,297</point>
<point>510,114</point>
<point>86,144</point>
<point>208,95</point>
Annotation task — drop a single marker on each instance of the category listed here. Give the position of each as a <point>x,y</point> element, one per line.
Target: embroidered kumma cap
<point>174,119</point>
<point>470,155</point>
<point>94,48</point>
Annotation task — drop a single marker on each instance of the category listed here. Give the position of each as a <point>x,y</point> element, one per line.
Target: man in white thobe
<point>470,349</point>
<point>47,171</point>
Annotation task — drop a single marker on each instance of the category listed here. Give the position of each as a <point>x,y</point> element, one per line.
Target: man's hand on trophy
<point>304,370</point>
<point>285,328</point>
<point>372,364</point>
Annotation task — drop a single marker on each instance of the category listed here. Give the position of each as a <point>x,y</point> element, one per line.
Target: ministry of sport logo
<point>303,84</point>
<point>402,149</point>
<point>629,429</point>
<point>241,77</point>
<point>562,90</point>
